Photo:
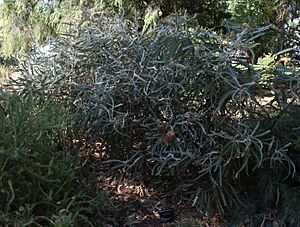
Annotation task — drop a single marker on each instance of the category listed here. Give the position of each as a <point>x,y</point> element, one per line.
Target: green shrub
<point>39,179</point>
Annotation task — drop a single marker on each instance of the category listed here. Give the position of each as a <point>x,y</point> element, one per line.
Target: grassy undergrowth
<point>40,184</point>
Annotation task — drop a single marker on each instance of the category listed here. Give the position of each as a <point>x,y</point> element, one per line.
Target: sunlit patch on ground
<point>141,206</point>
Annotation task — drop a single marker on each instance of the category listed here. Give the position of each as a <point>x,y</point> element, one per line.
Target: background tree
<point>283,15</point>
<point>26,23</point>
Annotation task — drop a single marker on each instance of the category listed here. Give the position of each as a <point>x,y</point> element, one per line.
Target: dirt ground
<point>141,207</point>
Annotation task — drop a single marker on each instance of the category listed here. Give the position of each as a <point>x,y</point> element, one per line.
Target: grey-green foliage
<point>196,83</point>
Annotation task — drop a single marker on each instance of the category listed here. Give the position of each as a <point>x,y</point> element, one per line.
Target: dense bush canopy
<point>206,117</point>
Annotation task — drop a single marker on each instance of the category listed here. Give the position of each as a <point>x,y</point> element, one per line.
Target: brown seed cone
<point>169,137</point>
<point>281,87</point>
<point>161,128</point>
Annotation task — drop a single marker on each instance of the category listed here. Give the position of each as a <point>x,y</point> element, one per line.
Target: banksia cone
<point>161,128</point>
<point>169,137</point>
<point>281,87</point>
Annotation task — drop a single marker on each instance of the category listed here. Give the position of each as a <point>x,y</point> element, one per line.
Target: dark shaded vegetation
<point>41,181</point>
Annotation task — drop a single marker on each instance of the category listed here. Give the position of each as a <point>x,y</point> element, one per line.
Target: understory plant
<point>183,108</point>
<point>40,179</point>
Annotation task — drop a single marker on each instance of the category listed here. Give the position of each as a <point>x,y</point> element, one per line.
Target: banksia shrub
<point>179,104</point>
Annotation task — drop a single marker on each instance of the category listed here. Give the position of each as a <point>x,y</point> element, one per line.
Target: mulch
<point>141,206</point>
